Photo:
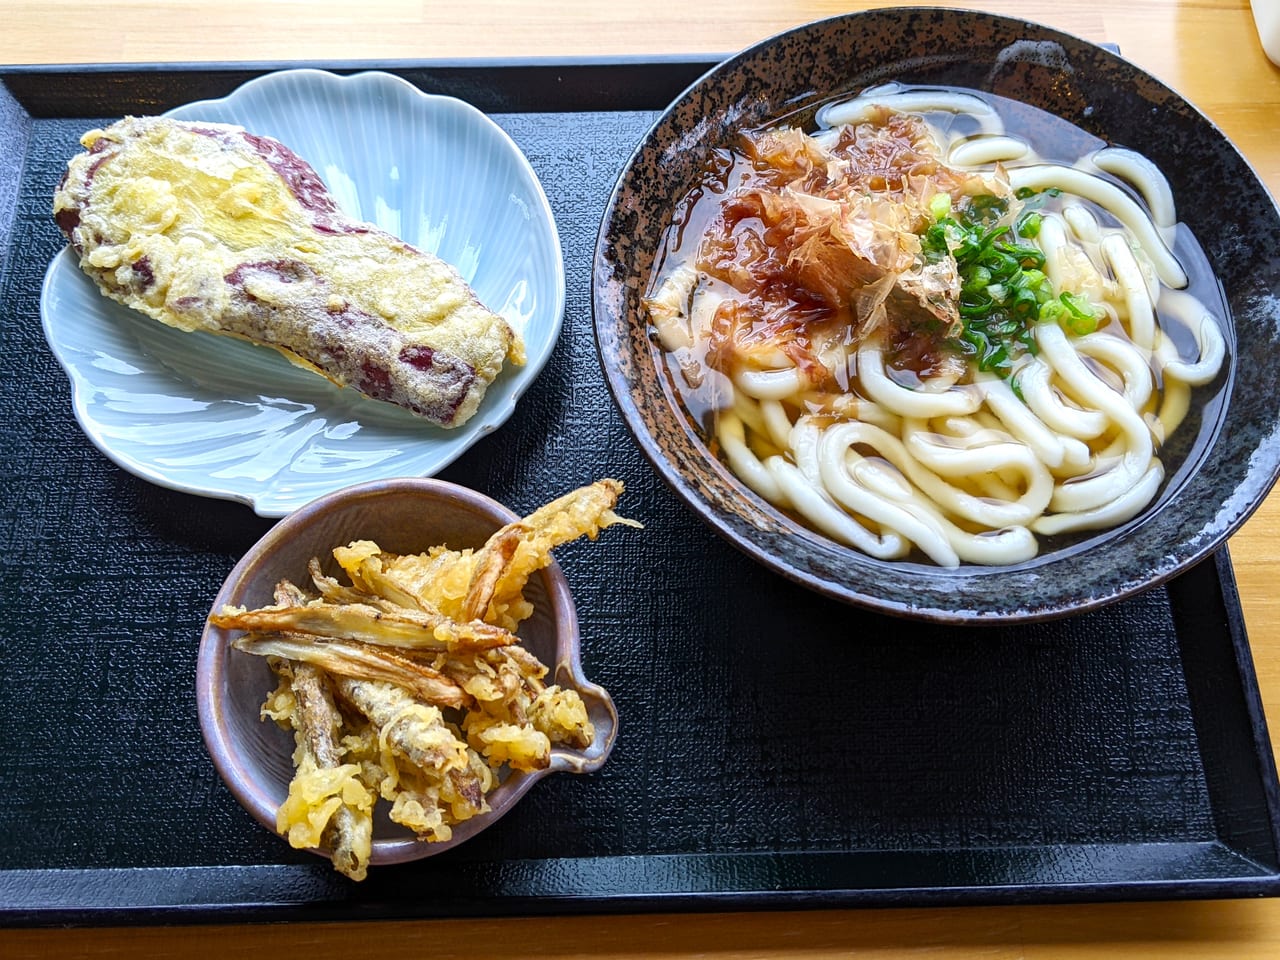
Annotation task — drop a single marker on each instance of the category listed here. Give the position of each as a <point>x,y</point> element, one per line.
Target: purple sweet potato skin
<point>283,301</point>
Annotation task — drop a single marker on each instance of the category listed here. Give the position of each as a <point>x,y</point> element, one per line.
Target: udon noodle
<point>922,338</point>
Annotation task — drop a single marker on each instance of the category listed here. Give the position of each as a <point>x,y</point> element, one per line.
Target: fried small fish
<point>433,691</point>
<point>361,661</point>
<point>325,796</point>
<point>412,629</point>
<point>455,582</point>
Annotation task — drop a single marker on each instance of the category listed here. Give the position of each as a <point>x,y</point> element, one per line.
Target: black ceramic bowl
<point>1223,476</point>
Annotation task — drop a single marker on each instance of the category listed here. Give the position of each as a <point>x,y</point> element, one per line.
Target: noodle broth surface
<point>870,416</point>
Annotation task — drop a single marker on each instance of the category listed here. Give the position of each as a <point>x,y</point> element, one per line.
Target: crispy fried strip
<point>429,579</point>
<point>333,591</point>
<point>413,629</point>
<point>366,565</point>
<point>506,684</point>
<point>468,789</point>
<point>359,661</point>
<point>522,661</point>
<point>581,512</point>
<point>587,510</point>
<point>491,562</point>
<point>289,594</point>
<point>563,717</point>
<point>316,724</point>
<point>428,744</point>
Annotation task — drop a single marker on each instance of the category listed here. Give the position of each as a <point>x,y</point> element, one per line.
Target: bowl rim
<point>612,330</point>
<point>214,650</point>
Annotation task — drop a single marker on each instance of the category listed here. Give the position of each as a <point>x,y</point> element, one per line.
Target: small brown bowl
<point>253,756</point>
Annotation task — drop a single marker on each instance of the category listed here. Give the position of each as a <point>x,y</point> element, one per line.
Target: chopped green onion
<point>985,208</point>
<point>1001,265</point>
<point>1023,304</point>
<point>1074,314</point>
<point>1026,254</point>
<point>979,278</point>
<point>1030,193</point>
<point>1083,316</point>
<point>1080,326</point>
<point>1003,288</point>
<point>1051,311</point>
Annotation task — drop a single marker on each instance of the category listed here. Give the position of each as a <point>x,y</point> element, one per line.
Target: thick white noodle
<point>1120,356</point>
<point>1054,448</point>
<point>1124,507</point>
<point>748,411</point>
<point>826,139</point>
<point>1053,241</point>
<point>980,151</point>
<point>937,492</point>
<point>991,485</point>
<point>770,384</point>
<point>1144,176</point>
<point>1036,382</point>
<point>1082,222</point>
<point>1005,485</point>
<point>838,465</point>
<point>667,308</point>
<point>804,447</point>
<point>993,548</point>
<point>703,308</point>
<point>929,459</point>
<point>936,535</point>
<point>1187,310</point>
<point>776,422</point>
<point>1175,399</point>
<point>815,505</point>
<point>850,407</point>
<point>1137,299</point>
<point>862,108</point>
<point>1112,198</point>
<point>1094,491</point>
<point>878,476</point>
<point>745,464</point>
<point>910,403</point>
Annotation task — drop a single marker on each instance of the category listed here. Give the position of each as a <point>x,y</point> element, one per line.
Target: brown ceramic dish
<point>1232,455</point>
<point>403,516</point>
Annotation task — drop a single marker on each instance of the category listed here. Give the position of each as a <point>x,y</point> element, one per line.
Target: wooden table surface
<point>1208,50</point>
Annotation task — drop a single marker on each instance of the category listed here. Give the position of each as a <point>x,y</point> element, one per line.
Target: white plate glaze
<point>230,420</point>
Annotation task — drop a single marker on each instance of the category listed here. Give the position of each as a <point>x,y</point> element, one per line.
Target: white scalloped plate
<point>217,417</point>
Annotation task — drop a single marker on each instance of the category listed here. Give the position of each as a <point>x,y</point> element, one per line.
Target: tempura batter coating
<point>435,696</point>
<point>454,582</point>
<point>205,226</point>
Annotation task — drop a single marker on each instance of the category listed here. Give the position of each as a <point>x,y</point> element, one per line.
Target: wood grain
<point>1206,49</point>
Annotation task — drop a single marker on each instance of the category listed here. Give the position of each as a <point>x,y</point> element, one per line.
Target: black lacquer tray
<point>776,749</point>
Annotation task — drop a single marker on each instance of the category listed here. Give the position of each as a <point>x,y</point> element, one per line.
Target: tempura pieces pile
<point>410,684</point>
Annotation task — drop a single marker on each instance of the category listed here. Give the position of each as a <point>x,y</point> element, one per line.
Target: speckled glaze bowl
<point>1222,478</point>
<point>403,516</point>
